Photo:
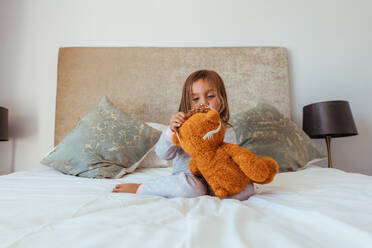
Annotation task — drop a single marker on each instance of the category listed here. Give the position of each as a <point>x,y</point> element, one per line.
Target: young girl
<point>201,87</point>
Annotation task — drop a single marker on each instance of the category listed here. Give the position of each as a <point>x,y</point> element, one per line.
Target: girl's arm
<point>230,136</point>
<point>164,148</point>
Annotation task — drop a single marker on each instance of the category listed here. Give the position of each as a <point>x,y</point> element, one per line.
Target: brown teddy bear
<point>227,168</point>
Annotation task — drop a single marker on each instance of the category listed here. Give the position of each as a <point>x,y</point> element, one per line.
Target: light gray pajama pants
<point>185,185</point>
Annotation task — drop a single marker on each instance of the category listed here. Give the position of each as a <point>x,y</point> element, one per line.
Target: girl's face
<point>204,92</point>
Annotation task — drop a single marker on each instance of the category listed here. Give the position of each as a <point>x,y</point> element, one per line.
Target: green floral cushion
<point>266,132</point>
<point>105,141</point>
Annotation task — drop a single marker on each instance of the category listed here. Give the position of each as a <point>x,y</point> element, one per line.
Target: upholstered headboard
<point>146,82</point>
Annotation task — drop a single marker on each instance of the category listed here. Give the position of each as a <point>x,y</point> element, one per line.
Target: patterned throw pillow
<point>105,141</point>
<point>266,132</point>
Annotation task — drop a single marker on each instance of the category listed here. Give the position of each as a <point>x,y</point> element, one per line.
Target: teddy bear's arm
<point>273,166</point>
<point>251,165</point>
<point>194,168</point>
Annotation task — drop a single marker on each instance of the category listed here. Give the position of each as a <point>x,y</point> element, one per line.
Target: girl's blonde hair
<point>213,78</point>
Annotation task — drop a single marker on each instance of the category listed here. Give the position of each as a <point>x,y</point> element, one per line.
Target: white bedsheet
<point>315,207</point>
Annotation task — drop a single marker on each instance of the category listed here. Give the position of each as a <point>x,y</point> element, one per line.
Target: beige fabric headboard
<point>146,82</point>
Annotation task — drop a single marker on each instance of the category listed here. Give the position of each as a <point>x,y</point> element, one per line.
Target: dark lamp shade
<point>332,118</point>
<point>3,124</point>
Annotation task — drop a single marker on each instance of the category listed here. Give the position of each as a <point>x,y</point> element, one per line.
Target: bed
<point>311,207</point>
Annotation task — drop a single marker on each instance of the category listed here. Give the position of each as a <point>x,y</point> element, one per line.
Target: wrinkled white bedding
<point>314,207</point>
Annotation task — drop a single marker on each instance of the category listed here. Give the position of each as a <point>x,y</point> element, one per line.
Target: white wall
<point>329,44</point>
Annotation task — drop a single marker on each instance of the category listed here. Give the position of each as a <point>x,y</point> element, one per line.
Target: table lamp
<point>328,120</point>
<point>3,124</point>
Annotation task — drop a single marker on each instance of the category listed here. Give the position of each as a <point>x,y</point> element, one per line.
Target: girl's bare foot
<point>126,188</point>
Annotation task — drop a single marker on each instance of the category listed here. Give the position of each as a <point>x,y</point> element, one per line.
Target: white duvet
<point>315,207</point>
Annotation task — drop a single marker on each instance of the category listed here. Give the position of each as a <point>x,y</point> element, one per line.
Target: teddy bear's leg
<point>194,167</point>
<point>251,165</point>
<point>273,166</point>
<point>220,193</point>
<point>216,180</point>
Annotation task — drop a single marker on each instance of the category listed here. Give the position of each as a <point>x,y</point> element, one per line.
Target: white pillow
<point>158,126</point>
<point>317,162</point>
<point>150,159</point>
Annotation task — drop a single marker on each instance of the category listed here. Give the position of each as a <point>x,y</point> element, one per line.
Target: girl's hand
<point>176,121</point>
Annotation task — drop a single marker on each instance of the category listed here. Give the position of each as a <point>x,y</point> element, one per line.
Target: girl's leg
<point>241,196</point>
<point>179,185</point>
<point>126,188</point>
<point>245,194</point>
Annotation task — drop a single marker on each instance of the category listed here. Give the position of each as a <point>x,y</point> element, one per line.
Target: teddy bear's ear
<point>213,115</point>
<point>175,140</point>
